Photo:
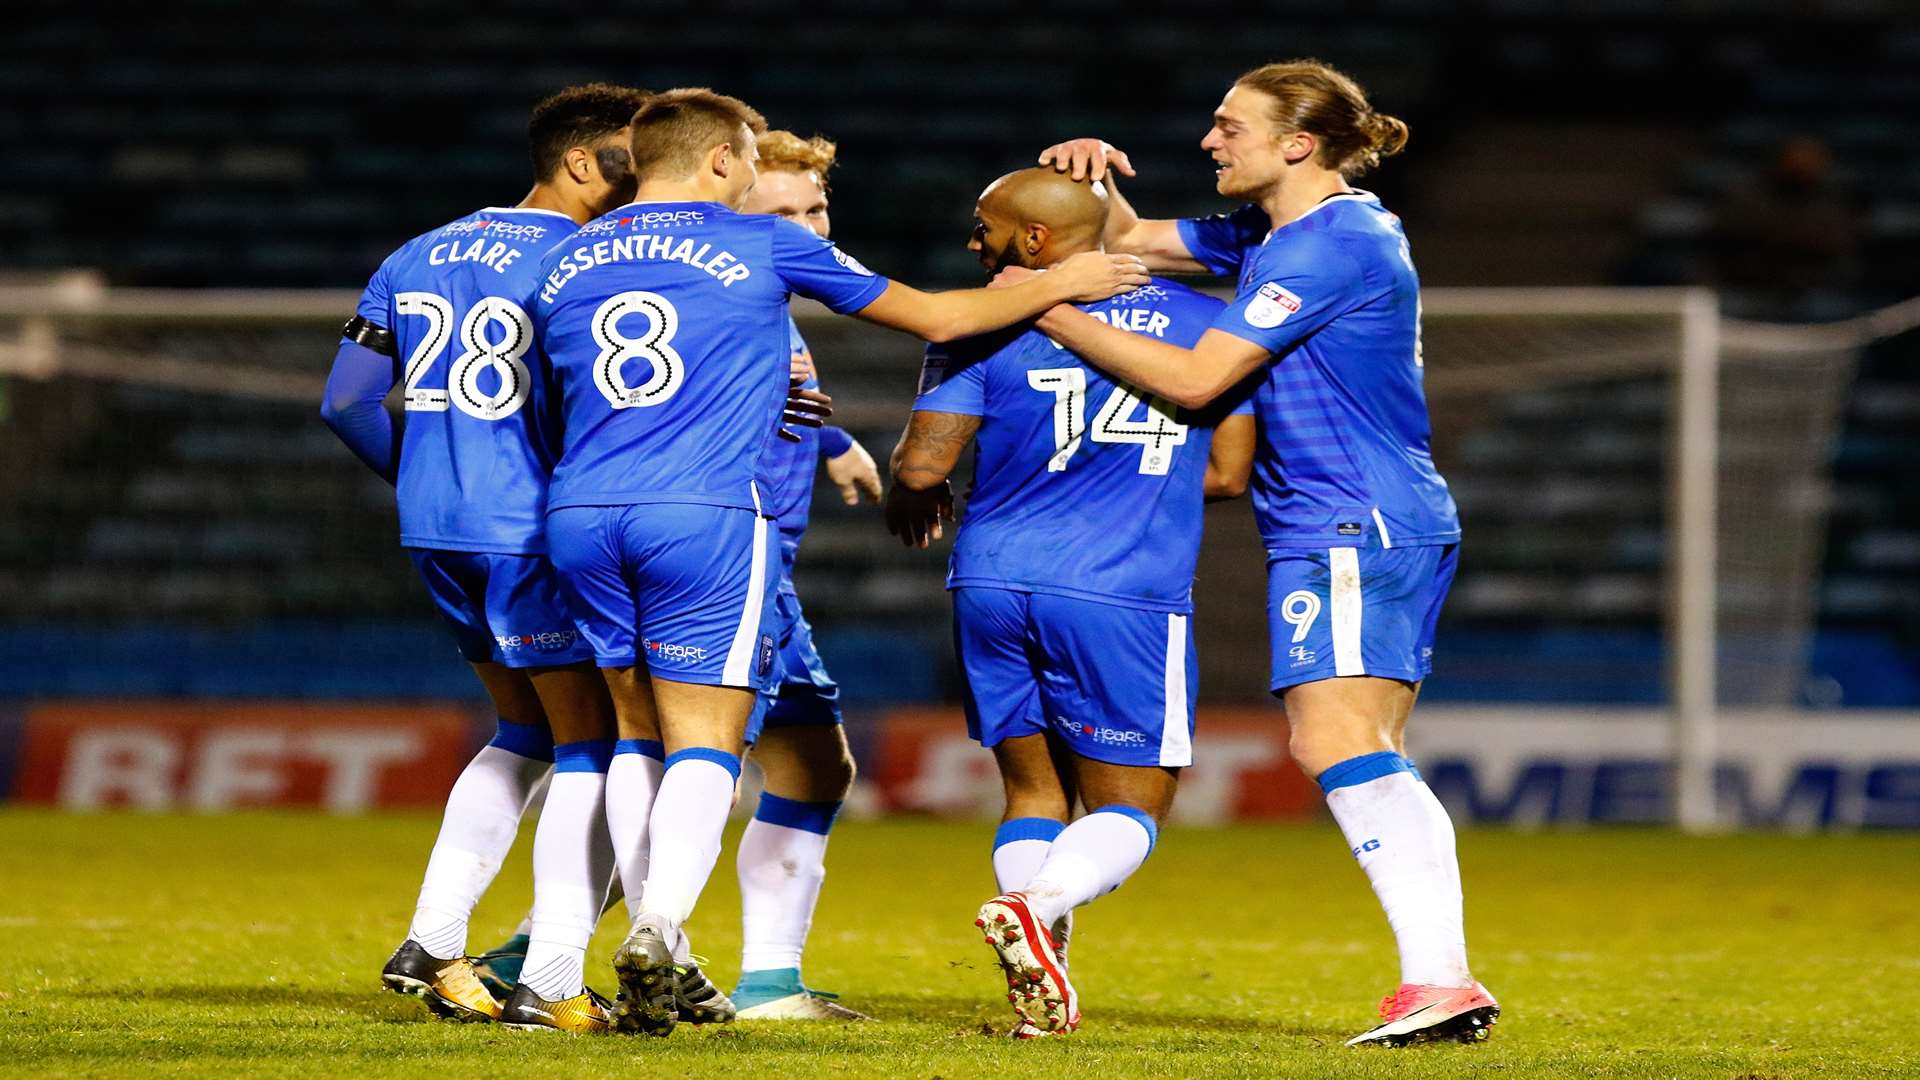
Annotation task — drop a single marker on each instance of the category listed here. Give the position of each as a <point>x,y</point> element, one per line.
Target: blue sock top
<point>644,747</point>
<point>1026,828</point>
<point>721,758</point>
<point>528,740</point>
<point>1140,817</point>
<point>1361,769</point>
<point>813,817</point>
<point>587,755</point>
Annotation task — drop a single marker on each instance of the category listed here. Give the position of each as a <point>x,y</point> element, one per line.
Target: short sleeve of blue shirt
<point>816,269</point>
<point>376,303</point>
<point>1220,242</point>
<point>953,383</point>
<point>1294,286</point>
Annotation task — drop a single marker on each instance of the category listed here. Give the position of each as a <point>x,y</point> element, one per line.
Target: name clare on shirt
<point>723,266</point>
<point>489,253</point>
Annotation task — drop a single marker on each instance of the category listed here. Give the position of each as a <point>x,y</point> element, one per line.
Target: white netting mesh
<point>168,463</point>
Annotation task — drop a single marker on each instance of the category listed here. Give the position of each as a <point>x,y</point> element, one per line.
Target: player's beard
<point>1009,256</point>
<point>1236,184</point>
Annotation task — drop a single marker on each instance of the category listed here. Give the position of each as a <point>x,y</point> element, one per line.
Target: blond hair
<point>783,151</point>
<point>1311,96</point>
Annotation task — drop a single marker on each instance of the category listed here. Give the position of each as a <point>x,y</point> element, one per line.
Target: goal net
<point>1630,467</point>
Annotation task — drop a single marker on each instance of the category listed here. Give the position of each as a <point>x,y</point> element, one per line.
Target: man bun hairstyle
<point>784,151</point>
<point>577,116</point>
<point>674,130</point>
<point>1313,97</point>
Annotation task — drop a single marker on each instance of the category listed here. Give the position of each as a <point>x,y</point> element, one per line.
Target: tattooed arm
<point>920,498</point>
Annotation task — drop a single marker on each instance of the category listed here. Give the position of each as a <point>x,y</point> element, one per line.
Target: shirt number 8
<point>654,345</point>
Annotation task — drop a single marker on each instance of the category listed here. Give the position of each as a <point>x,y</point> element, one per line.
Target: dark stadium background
<point>205,144</point>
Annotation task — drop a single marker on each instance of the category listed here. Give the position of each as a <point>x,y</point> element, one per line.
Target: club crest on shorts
<point>1271,306</point>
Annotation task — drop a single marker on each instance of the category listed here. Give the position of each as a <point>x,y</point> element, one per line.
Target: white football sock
<point>632,782</point>
<point>782,864</point>
<point>1090,858</point>
<point>689,814</point>
<point>1403,840</point>
<point>1019,847</point>
<point>572,861</point>
<point>482,818</point>
<point>536,798</point>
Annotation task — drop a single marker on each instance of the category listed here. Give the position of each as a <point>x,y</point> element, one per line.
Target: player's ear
<point>1298,147</point>
<point>580,165</point>
<point>1036,238</point>
<point>721,160</point>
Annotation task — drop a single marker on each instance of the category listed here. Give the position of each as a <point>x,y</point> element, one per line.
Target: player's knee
<point>809,764</point>
<point>1318,747</point>
<point>1036,795</point>
<point>828,774</point>
<point>840,773</point>
<point>1146,790</point>
<point>1312,749</point>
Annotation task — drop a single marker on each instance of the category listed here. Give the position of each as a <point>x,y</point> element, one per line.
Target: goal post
<point>1623,458</point>
<point>1691,364</point>
<point>1693,491</point>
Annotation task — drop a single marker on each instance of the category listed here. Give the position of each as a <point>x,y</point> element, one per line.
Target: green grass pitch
<point>251,944</point>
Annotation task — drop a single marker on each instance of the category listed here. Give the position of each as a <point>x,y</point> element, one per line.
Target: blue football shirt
<point>792,467</point>
<point>1080,487</point>
<point>664,327</point>
<point>476,449</point>
<point>1345,454</point>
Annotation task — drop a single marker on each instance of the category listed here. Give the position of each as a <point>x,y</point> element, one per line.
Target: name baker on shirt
<point>1138,320</point>
<point>724,266</point>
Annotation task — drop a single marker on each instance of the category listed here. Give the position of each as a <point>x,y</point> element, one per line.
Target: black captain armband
<point>363,333</point>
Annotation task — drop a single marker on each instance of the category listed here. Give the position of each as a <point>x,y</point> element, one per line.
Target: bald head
<point>1036,217</point>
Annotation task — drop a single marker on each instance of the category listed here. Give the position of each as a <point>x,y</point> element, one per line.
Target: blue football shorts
<point>1115,683</point>
<point>806,695</point>
<point>504,609</point>
<point>687,586</point>
<point>1344,611</point>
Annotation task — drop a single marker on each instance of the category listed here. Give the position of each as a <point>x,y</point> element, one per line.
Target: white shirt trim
<point>523,210</point>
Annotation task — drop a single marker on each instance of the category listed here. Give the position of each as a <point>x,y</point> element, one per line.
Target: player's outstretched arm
<point>920,498</point>
<point>1190,378</point>
<point>963,313</point>
<point>1230,461</point>
<point>1156,241</point>
<point>354,406</point>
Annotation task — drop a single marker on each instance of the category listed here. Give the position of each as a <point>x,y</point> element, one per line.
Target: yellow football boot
<point>450,988</point>
<point>586,1013</point>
